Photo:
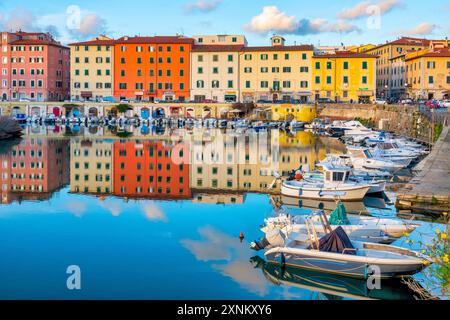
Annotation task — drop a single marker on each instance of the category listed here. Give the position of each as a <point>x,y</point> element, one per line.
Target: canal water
<point>157,215</point>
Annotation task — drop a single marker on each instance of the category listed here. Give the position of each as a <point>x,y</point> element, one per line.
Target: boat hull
<point>354,193</point>
<point>352,266</point>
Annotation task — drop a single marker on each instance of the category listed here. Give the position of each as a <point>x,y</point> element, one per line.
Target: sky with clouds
<point>324,22</point>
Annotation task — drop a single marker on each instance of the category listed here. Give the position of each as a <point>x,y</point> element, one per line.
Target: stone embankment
<point>410,121</point>
<point>429,189</point>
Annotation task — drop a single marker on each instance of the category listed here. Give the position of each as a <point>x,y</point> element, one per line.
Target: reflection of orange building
<point>34,169</point>
<point>147,169</point>
<point>148,68</point>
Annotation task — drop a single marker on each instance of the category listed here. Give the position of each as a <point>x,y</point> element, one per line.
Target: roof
<point>404,41</point>
<point>345,54</point>
<point>94,43</point>
<point>217,48</point>
<point>37,42</point>
<point>304,47</point>
<point>155,40</point>
<point>436,53</point>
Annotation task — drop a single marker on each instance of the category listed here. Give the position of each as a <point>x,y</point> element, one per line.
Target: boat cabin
<point>336,174</point>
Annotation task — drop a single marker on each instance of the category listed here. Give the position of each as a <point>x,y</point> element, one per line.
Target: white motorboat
<point>363,159</point>
<point>335,185</point>
<point>336,253</point>
<point>356,226</point>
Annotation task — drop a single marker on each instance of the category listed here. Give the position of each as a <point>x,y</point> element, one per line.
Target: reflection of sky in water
<point>135,250</point>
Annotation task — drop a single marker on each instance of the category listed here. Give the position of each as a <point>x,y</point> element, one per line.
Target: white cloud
<point>369,8</point>
<point>19,19</point>
<point>90,25</point>
<point>271,19</point>
<point>203,6</point>
<point>154,213</point>
<point>422,29</point>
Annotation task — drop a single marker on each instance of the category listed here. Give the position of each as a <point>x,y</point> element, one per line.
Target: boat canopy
<point>339,216</point>
<point>337,241</point>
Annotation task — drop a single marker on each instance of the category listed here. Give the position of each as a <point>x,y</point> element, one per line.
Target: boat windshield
<point>368,154</point>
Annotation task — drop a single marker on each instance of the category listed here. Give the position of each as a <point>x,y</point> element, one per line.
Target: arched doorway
<point>15,111</point>
<point>35,111</point>
<point>207,113</point>
<point>145,113</point>
<point>160,113</point>
<point>4,97</point>
<point>93,112</point>
<point>76,112</point>
<point>56,111</point>
<point>190,113</point>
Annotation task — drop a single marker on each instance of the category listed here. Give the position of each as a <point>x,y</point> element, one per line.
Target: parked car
<point>432,104</point>
<point>325,100</point>
<point>380,102</point>
<point>445,104</point>
<point>406,102</point>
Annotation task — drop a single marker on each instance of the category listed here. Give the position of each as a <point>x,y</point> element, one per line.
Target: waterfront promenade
<point>430,188</point>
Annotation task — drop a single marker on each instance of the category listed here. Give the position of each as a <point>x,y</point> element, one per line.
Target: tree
<point>123,107</point>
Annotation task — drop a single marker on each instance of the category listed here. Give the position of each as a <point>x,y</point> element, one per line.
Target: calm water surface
<point>143,224</point>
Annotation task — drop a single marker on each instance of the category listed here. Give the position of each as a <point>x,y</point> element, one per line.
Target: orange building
<point>149,68</point>
<point>148,169</point>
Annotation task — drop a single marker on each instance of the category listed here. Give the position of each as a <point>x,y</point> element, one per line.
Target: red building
<point>149,68</point>
<point>148,169</point>
<point>34,66</point>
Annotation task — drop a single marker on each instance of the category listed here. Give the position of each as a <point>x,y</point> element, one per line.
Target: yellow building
<point>91,167</point>
<point>287,112</point>
<point>362,48</point>
<point>385,54</point>
<point>276,72</point>
<point>428,73</point>
<point>344,76</point>
<point>92,69</point>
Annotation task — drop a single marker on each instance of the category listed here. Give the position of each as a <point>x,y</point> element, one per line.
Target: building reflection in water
<point>34,169</point>
<point>207,166</point>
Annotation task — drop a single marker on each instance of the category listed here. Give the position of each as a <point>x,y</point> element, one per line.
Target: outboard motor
<point>273,238</point>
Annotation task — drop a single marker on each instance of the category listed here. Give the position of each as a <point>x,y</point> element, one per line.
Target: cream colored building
<point>91,166</point>
<point>276,72</point>
<point>220,40</point>
<point>215,73</point>
<point>92,69</point>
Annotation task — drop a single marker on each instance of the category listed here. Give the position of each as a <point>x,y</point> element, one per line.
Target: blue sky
<point>328,22</point>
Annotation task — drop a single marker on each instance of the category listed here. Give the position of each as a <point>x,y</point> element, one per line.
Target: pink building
<point>34,66</point>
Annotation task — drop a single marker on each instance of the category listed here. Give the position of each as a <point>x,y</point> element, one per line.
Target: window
<point>317,80</point>
<point>286,56</point>
<point>275,56</point>
<point>304,69</point>
<point>431,65</point>
<point>329,80</point>
<point>264,84</point>
<point>248,57</point>
<point>247,84</point>
<point>286,69</point>
<point>230,57</point>
<point>264,56</point>
<point>346,65</point>
<point>230,70</point>
<point>200,58</point>
<point>364,65</point>
<point>215,58</point>
<point>247,70</point>
<point>448,79</point>
<point>345,80</point>
<point>364,80</point>
<point>286,84</point>
<point>304,84</point>
<point>230,84</point>
<point>215,84</point>
<point>329,65</point>
<point>304,56</point>
<point>317,65</point>
<point>264,70</point>
<point>215,70</point>
<point>431,80</point>
<point>200,70</point>
<point>200,84</point>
